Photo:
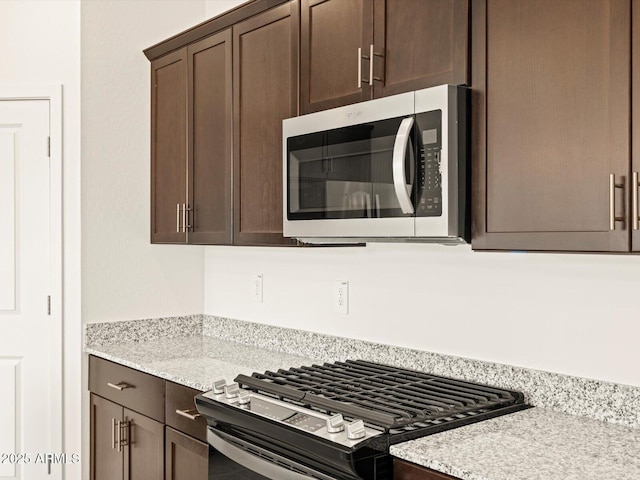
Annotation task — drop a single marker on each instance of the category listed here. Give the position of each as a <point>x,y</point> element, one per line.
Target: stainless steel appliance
<point>394,168</point>
<point>335,421</point>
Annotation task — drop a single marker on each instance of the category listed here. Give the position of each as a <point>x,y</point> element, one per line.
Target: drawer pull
<point>120,386</point>
<point>190,414</point>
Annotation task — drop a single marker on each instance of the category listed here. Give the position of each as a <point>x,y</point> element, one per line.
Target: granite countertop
<point>195,361</point>
<point>533,444</point>
<point>540,443</point>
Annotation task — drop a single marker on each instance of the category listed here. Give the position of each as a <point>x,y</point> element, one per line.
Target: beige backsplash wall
<point>567,313</point>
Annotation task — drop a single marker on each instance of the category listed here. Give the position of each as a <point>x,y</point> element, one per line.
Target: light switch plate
<point>256,288</point>
<point>341,298</point>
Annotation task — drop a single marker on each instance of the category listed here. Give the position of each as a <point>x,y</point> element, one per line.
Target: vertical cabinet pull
<point>114,436</point>
<point>123,440</point>
<point>177,218</point>
<point>186,224</point>
<point>359,67</point>
<point>371,64</point>
<point>634,204</point>
<point>612,201</point>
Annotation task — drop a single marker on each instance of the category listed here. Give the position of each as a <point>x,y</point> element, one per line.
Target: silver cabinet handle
<point>359,67</point>
<point>120,386</point>
<point>371,64</point>
<point>113,433</point>
<point>123,442</point>
<point>634,204</point>
<point>399,175</point>
<point>186,225</point>
<point>190,414</point>
<point>612,201</point>
<point>177,218</point>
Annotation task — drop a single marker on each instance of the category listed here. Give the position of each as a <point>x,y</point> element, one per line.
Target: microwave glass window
<point>346,172</point>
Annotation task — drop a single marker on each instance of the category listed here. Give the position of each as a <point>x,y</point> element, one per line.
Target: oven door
<point>231,458</point>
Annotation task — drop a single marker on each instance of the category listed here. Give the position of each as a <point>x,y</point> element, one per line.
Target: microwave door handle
<point>399,174</point>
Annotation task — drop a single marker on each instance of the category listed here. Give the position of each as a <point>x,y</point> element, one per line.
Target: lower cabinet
<point>409,471</point>
<point>185,457</point>
<point>124,444</point>
<point>127,445</point>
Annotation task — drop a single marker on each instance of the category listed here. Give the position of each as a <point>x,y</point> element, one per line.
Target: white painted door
<point>27,390</point>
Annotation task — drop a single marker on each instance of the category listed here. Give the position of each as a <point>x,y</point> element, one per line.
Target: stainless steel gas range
<point>335,421</point>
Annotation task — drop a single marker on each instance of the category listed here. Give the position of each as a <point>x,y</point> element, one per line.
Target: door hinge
<point>49,305</point>
<point>49,147</point>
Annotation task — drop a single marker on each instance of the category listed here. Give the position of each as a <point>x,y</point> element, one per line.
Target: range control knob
<point>356,430</point>
<point>335,424</point>
<point>244,397</point>
<point>231,391</point>
<point>218,386</point>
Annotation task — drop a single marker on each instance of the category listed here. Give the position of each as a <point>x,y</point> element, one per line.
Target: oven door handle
<point>403,191</point>
<point>260,465</point>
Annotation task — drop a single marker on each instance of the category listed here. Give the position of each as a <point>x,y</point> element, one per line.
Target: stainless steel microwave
<point>390,169</point>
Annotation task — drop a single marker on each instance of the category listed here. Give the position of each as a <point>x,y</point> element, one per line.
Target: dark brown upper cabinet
<point>168,146</point>
<point>265,67</point>
<point>635,124</point>
<point>191,144</point>
<point>551,116</point>
<point>414,44</point>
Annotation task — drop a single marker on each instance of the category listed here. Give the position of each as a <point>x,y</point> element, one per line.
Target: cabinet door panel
<point>144,453</point>
<point>546,144</point>
<point>185,457</point>
<point>106,461</point>
<point>422,43</point>
<point>330,34</point>
<point>635,95</point>
<point>408,471</point>
<point>210,122</point>
<point>265,50</point>
<point>168,146</point>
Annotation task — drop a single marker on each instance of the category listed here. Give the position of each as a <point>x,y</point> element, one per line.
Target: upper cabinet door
<point>210,138</point>
<point>334,36</point>
<point>169,148</point>
<point>635,125</point>
<point>265,71</point>
<point>419,44</point>
<point>551,82</point>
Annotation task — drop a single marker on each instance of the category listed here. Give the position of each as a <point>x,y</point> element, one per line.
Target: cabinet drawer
<point>130,388</point>
<point>180,398</point>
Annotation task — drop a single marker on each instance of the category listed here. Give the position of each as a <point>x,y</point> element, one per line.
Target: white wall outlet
<point>256,288</point>
<point>341,298</point>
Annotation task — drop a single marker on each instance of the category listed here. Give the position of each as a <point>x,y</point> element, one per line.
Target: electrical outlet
<point>256,288</point>
<point>341,298</point>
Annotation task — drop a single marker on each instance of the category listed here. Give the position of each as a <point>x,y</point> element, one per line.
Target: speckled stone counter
<point>195,361</point>
<point>581,429</point>
<point>534,444</point>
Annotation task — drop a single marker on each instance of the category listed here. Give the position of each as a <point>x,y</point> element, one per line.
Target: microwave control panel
<point>429,141</point>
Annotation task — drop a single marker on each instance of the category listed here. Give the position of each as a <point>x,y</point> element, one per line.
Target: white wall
<point>123,275</point>
<point>39,41</point>
<point>216,7</point>
<point>572,314</point>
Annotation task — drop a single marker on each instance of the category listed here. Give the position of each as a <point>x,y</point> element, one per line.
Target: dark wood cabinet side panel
<point>635,108</point>
<point>168,145</point>
<point>144,453</point>
<point>543,143</point>
<point>422,43</point>
<point>210,127</point>
<point>106,462</point>
<point>330,34</point>
<point>265,73</point>
<point>408,471</point>
<point>185,458</point>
